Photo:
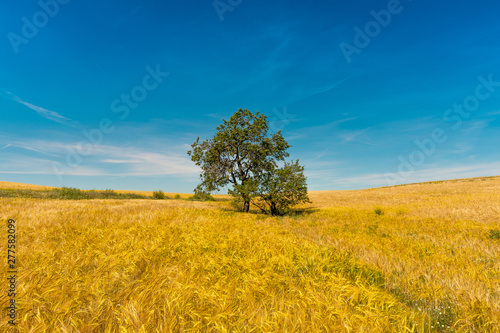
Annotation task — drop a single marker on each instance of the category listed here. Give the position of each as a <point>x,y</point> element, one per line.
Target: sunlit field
<point>414,258</point>
<point>21,186</point>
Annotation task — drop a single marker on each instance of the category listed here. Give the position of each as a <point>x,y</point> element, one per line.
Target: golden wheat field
<point>415,258</point>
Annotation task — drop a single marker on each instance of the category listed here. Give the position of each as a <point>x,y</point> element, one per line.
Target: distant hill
<point>22,186</point>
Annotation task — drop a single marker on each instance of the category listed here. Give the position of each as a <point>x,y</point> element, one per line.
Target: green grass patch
<point>68,193</point>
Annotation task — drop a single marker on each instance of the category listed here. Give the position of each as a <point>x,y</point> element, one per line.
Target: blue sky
<point>369,93</point>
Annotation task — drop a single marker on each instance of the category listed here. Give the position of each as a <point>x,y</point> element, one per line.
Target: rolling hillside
<point>414,258</point>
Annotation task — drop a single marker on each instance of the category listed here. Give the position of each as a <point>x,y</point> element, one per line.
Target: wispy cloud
<point>137,162</point>
<point>462,148</point>
<point>312,131</point>
<point>352,135</point>
<point>16,144</point>
<point>48,114</point>
<point>322,89</point>
<point>104,160</point>
<point>330,181</point>
<point>494,113</point>
<point>477,125</point>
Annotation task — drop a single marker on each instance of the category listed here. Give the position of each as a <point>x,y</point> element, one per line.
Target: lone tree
<point>240,154</point>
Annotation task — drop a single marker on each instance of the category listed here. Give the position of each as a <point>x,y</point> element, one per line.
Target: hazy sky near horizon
<point>112,94</point>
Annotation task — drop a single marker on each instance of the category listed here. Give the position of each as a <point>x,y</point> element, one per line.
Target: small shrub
<point>93,194</point>
<point>69,193</point>
<point>159,195</point>
<point>177,196</point>
<point>379,211</point>
<point>494,234</point>
<point>109,194</point>
<point>202,196</point>
<point>130,196</point>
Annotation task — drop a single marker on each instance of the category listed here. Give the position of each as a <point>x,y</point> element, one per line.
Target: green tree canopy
<point>281,188</point>
<point>240,154</point>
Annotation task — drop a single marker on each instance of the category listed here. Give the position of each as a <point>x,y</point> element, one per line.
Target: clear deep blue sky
<point>110,94</point>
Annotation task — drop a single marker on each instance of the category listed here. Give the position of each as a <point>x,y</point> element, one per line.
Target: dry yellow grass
<point>150,193</point>
<point>413,258</point>
<point>21,186</point>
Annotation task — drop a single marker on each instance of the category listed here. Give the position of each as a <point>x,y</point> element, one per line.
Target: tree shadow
<point>302,211</point>
<point>294,212</point>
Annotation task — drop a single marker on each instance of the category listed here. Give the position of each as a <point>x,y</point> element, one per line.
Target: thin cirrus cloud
<point>312,131</point>
<point>352,135</point>
<point>103,159</point>
<point>144,163</point>
<point>430,174</point>
<point>47,114</point>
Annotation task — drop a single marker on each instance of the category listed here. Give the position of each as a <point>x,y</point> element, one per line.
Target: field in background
<point>150,193</point>
<point>21,186</point>
<point>415,258</point>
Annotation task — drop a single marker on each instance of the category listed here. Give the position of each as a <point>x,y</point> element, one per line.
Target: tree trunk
<point>274,211</point>
<point>246,207</point>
